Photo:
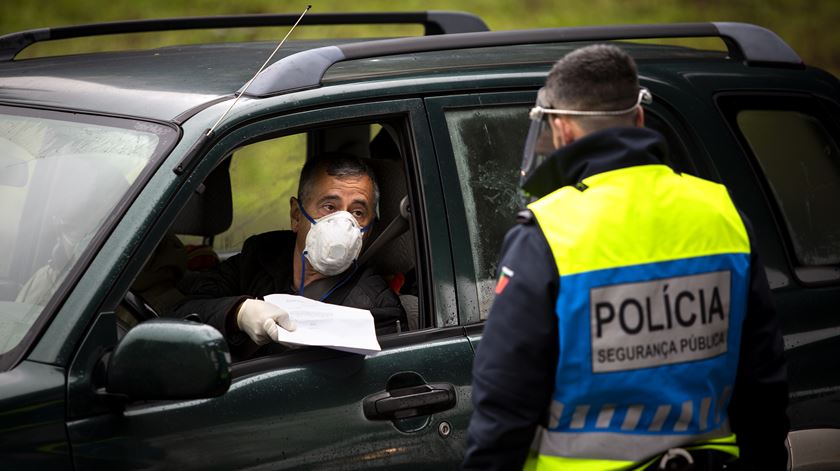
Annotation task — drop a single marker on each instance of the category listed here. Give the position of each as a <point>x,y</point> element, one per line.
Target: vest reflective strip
<point>632,447</point>
<point>634,198</point>
<point>543,462</point>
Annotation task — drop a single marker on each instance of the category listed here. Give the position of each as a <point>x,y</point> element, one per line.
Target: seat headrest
<point>210,211</point>
<point>398,255</point>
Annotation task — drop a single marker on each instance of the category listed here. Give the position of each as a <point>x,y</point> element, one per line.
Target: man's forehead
<point>330,186</point>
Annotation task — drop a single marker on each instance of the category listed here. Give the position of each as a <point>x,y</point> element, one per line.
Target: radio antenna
<point>210,131</point>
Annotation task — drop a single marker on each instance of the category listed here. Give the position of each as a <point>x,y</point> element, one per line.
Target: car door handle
<point>407,402</point>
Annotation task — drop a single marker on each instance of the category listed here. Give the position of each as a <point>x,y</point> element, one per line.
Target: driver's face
<point>329,194</point>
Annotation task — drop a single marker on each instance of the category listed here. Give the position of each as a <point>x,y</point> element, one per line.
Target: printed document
<point>327,325</point>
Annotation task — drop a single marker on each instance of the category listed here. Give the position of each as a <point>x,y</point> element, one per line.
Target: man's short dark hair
<point>600,77</point>
<point>335,164</point>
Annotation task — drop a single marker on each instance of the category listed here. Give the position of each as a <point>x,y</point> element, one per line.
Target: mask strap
<point>340,283</point>
<point>366,228</point>
<point>337,285</point>
<point>300,205</point>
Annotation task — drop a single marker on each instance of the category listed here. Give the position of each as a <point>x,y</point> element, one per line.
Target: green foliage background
<point>809,26</point>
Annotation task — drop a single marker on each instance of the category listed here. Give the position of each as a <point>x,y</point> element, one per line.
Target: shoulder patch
<point>525,217</point>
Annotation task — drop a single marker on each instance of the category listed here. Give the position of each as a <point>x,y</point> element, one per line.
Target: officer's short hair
<point>335,164</point>
<point>600,77</point>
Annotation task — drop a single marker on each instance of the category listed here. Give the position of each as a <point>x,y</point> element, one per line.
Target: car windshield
<point>59,182</point>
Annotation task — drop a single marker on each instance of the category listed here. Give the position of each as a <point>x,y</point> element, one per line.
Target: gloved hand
<point>260,320</point>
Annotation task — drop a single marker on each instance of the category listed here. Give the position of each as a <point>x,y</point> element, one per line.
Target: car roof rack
<point>745,42</point>
<point>434,22</point>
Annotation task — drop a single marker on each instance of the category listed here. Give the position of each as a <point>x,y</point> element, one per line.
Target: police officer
<point>632,326</point>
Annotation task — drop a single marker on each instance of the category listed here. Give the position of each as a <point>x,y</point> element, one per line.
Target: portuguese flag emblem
<point>505,274</point>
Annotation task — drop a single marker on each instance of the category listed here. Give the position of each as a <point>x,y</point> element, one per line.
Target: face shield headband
<point>538,112</point>
<point>539,143</point>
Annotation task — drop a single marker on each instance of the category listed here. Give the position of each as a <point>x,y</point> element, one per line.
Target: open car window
<point>247,198</point>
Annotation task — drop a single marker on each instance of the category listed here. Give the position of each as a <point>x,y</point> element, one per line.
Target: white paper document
<point>326,325</point>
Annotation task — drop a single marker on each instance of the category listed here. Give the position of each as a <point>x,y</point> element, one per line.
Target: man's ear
<point>640,118</point>
<point>565,131</point>
<point>556,125</point>
<point>294,214</point>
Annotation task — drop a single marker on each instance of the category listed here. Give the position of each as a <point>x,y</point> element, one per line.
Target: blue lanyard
<point>337,285</point>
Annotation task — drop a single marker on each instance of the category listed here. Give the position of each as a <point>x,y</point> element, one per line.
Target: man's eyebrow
<point>334,197</point>
<point>328,197</point>
<point>362,202</point>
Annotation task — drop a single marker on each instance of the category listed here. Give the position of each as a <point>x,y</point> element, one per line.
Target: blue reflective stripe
<point>643,393</point>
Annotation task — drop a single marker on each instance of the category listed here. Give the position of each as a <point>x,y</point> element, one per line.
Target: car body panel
<point>33,423</point>
<point>156,84</point>
<point>269,419</point>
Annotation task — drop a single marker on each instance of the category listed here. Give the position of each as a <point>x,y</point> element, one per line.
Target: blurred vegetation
<point>263,176</point>
<point>810,27</point>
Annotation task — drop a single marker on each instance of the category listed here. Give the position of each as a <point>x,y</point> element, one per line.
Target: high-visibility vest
<point>654,275</point>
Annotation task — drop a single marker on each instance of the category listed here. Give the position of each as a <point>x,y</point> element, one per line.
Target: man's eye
<point>358,214</point>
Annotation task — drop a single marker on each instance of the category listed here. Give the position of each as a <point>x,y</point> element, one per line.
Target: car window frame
<point>464,267</point>
<point>436,290</point>
<point>729,105</point>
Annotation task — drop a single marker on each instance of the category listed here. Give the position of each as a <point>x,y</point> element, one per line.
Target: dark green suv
<point>106,156</point>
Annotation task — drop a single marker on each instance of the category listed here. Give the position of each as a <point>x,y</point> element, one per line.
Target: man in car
<point>333,212</point>
<point>632,326</point>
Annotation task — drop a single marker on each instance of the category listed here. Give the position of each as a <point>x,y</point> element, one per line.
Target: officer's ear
<point>640,117</point>
<point>565,130</point>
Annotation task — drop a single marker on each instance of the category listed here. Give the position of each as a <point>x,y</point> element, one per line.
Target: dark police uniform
<point>632,316</point>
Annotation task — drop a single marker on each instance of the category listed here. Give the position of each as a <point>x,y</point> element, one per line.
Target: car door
<point>406,407</point>
<point>791,143</point>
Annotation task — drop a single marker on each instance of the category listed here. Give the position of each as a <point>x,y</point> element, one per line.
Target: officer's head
<point>599,78</point>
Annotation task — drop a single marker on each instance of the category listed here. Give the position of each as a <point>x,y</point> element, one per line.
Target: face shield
<point>539,144</point>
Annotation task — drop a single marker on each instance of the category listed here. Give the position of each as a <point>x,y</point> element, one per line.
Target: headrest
<point>398,255</point>
<point>210,209</point>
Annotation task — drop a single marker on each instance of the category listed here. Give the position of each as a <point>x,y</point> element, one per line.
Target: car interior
<point>219,216</point>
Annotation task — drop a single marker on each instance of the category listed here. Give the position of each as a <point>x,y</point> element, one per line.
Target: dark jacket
<point>514,369</point>
<point>265,267</point>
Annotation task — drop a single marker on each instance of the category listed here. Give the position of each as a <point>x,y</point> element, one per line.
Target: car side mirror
<point>169,359</point>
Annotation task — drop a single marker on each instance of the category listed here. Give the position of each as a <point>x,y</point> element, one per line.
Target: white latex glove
<point>260,320</point>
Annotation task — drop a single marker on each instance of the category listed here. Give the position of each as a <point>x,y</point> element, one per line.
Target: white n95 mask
<point>333,242</point>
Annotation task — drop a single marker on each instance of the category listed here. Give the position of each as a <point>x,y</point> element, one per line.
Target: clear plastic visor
<point>539,143</point>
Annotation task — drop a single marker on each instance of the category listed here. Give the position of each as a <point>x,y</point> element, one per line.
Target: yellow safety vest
<point>654,276</point>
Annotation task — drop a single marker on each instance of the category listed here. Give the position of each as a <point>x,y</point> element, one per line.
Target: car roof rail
<point>746,42</point>
<point>434,22</point>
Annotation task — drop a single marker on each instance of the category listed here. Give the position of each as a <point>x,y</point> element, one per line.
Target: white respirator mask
<point>333,242</point>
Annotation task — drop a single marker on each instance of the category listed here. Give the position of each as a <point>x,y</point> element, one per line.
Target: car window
<point>248,195</point>
<point>801,162</point>
<point>487,144</point>
<point>61,176</point>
